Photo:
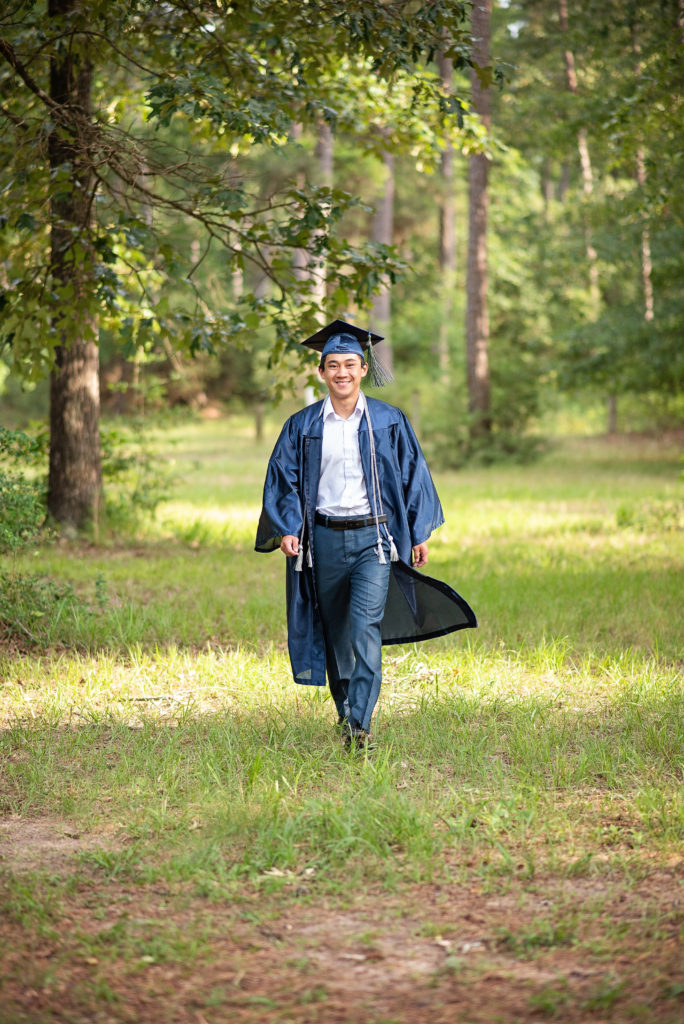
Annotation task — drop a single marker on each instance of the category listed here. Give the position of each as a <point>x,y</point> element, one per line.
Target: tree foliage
<point>630,75</point>
<point>204,198</point>
<point>22,505</point>
<point>181,93</point>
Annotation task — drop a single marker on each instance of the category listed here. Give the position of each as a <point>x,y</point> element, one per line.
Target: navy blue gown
<point>418,607</point>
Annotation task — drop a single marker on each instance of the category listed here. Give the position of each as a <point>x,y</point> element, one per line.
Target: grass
<point>528,775</point>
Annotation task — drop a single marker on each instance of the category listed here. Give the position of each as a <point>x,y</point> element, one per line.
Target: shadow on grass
<point>209,600</point>
<point>238,793</point>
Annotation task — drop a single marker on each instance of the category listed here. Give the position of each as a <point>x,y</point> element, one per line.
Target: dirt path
<point>77,948</point>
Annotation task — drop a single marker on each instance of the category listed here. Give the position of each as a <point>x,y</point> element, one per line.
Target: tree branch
<point>16,121</point>
<point>8,52</point>
<point>122,53</point>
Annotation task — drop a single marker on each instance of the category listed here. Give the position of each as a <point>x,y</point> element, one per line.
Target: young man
<point>350,501</point>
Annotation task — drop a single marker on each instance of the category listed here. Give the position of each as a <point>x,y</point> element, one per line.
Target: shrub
<point>22,499</point>
<point>31,605</point>
<point>136,477</point>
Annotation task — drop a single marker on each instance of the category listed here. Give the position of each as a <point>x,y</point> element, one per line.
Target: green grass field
<point>184,839</point>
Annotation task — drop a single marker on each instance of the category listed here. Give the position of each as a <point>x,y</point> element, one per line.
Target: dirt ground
<point>430,953</point>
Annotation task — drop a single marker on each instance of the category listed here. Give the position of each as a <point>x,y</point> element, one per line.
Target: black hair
<point>364,361</point>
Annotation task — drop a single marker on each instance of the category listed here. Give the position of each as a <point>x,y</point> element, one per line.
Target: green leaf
<point>26,221</point>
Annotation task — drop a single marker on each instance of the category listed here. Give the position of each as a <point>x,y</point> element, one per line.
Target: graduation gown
<point>417,607</point>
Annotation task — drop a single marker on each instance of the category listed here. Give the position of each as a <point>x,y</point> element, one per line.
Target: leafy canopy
<point>179,92</point>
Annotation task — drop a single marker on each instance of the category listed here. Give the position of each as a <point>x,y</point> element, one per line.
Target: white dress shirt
<point>342,487</point>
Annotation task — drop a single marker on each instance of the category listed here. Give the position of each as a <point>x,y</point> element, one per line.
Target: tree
<point>638,111</point>
<point>640,175</point>
<point>75,479</point>
<point>147,107</point>
<point>584,155</point>
<point>447,228</point>
<point>477,319</point>
<point>383,234</point>
<point>599,339</point>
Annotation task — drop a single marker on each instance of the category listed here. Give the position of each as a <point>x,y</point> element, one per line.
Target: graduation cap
<point>342,337</point>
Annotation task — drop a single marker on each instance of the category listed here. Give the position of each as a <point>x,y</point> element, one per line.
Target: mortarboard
<point>340,336</point>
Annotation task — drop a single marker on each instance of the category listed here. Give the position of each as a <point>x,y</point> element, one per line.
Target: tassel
<point>309,559</point>
<point>394,554</point>
<point>378,374</point>
<point>300,554</point>
<point>377,497</point>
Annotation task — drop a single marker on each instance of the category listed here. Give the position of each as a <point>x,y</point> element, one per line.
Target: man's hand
<point>420,554</point>
<point>289,545</point>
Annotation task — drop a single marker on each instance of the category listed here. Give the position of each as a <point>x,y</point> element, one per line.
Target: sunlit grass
<point>532,744</point>
<point>159,719</point>
<point>555,552</point>
<point>213,524</point>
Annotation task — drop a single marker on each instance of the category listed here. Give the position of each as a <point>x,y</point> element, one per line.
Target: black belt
<point>354,523</point>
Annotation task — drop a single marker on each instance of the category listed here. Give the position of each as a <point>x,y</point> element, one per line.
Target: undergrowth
<point>150,711</point>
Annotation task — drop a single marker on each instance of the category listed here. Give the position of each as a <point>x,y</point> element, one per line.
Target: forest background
<point>221,210</point>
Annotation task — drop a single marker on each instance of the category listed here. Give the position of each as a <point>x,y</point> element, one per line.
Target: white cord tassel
<point>376,488</point>
<point>299,564</point>
<point>377,500</point>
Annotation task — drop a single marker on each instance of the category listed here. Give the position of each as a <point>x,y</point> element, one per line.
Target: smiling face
<point>342,373</point>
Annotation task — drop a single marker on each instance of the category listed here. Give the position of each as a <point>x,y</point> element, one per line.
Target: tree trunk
<point>237,275</point>
<point>300,258</point>
<point>588,189</point>
<point>563,182</point>
<point>640,174</point>
<point>303,267</point>
<point>646,262</point>
<point>612,414</point>
<point>75,474</point>
<point>383,232</point>
<point>585,163</point>
<point>447,231</point>
<point>477,315</point>
<point>546,187</point>
<point>324,160</point>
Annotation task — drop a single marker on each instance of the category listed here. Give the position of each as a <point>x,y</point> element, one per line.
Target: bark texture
<point>477,314</point>
<point>325,170</point>
<point>640,174</point>
<point>304,268</point>
<point>585,162</point>
<point>383,232</point>
<point>447,230</point>
<point>588,189</point>
<point>75,474</point>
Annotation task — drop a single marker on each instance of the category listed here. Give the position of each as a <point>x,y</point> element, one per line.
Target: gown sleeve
<point>281,512</point>
<point>423,508</point>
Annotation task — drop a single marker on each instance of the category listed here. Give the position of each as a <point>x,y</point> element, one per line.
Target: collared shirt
<point>342,487</point>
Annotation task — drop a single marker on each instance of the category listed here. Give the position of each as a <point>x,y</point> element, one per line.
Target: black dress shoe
<point>357,739</point>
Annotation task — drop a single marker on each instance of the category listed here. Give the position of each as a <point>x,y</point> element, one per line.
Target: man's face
<point>342,373</point>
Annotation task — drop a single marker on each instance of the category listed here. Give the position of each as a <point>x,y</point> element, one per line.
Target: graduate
<point>350,502</point>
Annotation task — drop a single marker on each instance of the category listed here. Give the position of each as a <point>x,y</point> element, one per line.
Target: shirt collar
<point>357,414</point>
